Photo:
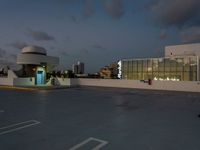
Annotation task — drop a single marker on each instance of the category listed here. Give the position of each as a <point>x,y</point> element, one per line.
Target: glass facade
<point>176,69</point>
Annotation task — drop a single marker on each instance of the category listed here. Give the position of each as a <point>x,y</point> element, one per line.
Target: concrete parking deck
<point>99,118</point>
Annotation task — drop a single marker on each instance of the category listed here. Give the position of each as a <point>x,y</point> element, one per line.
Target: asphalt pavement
<point>86,118</point>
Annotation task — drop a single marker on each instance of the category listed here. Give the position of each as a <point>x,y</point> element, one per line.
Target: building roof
<point>36,55</point>
<point>34,50</point>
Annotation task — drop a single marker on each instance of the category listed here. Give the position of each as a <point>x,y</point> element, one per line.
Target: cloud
<point>19,45</point>
<point>114,8</point>
<point>12,58</point>
<point>2,53</point>
<point>88,8</point>
<point>7,59</point>
<point>40,35</point>
<point>73,18</point>
<point>177,13</point>
<point>63,53</point>
<point>98,47</point>
<point>84,51</point>
<point>191,34</point>
<point>163,34</point>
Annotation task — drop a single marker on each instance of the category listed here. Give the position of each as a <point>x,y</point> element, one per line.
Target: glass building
<point>184,68</point>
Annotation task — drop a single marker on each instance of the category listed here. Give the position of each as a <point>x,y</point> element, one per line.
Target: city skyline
<point>97,32</point>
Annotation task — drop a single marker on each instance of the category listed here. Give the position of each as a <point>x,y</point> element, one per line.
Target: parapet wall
<point>188,86</point>
<point>155,85</point>
<point>6,81</point>
<point>24,81</point>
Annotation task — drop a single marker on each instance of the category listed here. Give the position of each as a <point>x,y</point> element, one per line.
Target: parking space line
<point>103,143</point>
<point>18,126</point>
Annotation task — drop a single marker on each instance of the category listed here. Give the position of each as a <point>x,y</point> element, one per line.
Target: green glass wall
<point>177,69</point>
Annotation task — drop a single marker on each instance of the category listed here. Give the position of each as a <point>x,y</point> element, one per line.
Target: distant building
<point>78,68</point>
<point>181,63</point>
<point>109,72</point>
<point>75,69</point>
<point>105,72</point>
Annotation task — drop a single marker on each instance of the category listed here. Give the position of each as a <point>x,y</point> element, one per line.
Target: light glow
<point>119,69</point>
<point>166,79</point>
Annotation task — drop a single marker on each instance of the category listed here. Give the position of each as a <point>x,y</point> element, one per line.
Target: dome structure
<point>34,50</point>
<point>35,55</point>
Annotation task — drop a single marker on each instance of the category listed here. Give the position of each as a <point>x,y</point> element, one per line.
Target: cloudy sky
<point>97,32</point>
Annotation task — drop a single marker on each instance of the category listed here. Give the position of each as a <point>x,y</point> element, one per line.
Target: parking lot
<point>86,118</point>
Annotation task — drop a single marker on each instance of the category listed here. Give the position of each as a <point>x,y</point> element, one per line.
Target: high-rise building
<point>75,68</point>
<point>78,68</point>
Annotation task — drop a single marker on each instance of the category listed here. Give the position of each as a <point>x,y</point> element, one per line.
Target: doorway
<point>40,77</point>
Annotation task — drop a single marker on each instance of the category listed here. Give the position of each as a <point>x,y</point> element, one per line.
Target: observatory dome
<point>34,50</point>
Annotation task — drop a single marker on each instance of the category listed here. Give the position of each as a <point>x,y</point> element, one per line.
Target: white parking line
<point>14,127</point>
<point>1,111</point>
<point>103,143</point>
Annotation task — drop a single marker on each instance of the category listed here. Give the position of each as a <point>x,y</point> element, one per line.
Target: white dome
<point>34,49</point>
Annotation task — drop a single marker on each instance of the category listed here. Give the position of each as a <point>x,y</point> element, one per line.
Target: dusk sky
<point>97,32</point>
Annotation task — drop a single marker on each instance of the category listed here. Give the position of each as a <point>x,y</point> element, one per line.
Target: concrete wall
<point>64,81</point>
<point>68,81</point>
<point>11,74</point>
<point>156,85</point>
<point>6,81</point>
<point>185,49</point>
<point>13,80</point>
<point>188,86</point>
<point>74,82</point>
<point>24,81</point>
<point>9,79</point>
<point>36,59</point>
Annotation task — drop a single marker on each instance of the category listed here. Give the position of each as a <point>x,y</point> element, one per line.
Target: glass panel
<point>144,65</point>
<point>135,76</point>
<point>155,75</point>
<point>140,76</point>
<point>161,65</point>
<point>180,64</point>
<point>161,75</point>
<point>173,76</point>
<point>140,66</point>
<point>167,75</point>
<point>130,75</point>
<point>173,65</point>
<point>187,67</point>
<point>134,66</point>
<point>149,66</point>
<point>186,76</point>
<point>130,67</point>
<point>155,64</point>
<point>167,65</point>
<point>179,76</point>
<point>161,68</point>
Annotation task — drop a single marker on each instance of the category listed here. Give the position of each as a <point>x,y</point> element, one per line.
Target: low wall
<point>156,85</point>
<point>24,81</point>
<point>74,82</point>
<point>6,81</point>
<point>9,80</point>
<point>68,81</point>
<point>188,86</point>
<point>64,81</point>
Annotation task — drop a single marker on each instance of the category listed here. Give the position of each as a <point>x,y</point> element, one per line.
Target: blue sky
<point>97,32</point>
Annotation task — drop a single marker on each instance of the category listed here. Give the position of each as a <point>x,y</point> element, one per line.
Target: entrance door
<point>40,77</point>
